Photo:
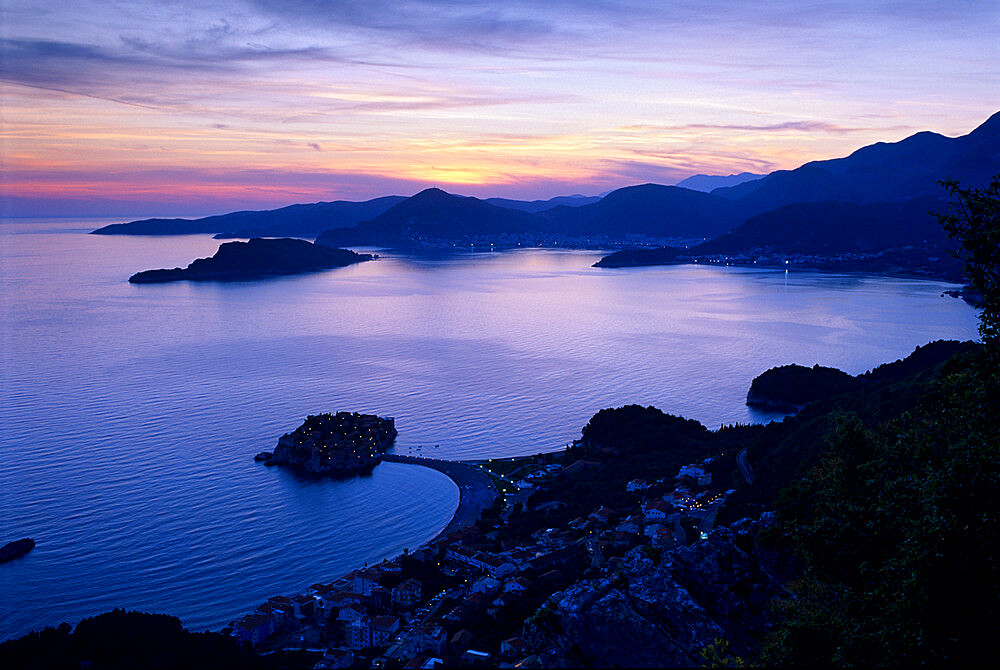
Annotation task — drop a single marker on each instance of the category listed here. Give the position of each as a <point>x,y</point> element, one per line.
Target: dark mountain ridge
<point>834,227</point>
<point>707,183</point>
<point>880,172</point>
<point>304,220</point>
<point>295,220</point>
<point>876,200</point>
<point>431,214</point>
<point>535,206</point>
<point>871,211</point>
<point>647,210</point>
<point>651,210</point>
<point>884,237</point>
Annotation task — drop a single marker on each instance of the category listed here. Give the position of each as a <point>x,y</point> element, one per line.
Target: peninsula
<point>792,387</point>
<point>256,259</point>
<point>789,388</point>
<point>338,444</point>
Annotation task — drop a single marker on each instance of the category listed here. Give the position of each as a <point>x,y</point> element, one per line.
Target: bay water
<point>129,415</point>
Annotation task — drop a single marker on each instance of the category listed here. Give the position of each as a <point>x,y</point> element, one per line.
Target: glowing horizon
<point>184,109</point>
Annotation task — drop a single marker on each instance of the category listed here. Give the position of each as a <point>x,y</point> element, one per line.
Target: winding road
<point>744,466</point>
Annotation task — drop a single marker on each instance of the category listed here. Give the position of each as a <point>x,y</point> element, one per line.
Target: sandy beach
<point>476,490</point>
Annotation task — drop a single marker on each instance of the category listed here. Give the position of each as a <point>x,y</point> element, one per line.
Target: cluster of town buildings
<point>505,241</point>
<point>385,615</point>
<point>913,260</point>
<point>660,517</point>
<point>403,622</point>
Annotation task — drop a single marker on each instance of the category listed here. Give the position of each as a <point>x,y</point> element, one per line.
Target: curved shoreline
<point>475,489</point>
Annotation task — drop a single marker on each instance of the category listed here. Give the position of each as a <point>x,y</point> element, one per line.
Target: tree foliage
<point>897,528</point>
<point>897,531</point>
<point>974,221</point>
<point>119,640</point>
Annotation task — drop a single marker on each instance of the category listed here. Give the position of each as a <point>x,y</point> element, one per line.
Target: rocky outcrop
<point>661,613</point>
<point>16,549</point>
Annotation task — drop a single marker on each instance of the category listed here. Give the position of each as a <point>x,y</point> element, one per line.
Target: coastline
<point>927,274</point>
<point>475,489</point>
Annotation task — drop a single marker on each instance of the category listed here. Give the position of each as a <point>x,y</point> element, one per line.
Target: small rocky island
<point>256,259</point>
<point>338,444</point>
<point>16,549</point>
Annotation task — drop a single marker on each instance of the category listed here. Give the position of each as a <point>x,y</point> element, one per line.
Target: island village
<point>463,599</point>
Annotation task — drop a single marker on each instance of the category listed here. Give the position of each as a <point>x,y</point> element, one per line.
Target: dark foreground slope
<point>888,517</point>
<point>118,640</point>
<point>730,593</point>
<point>256,259</point>
<point>662,610</point>
<point>896,531</point>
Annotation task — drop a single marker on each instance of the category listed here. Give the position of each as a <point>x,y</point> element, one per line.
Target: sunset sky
<point>161,107</point>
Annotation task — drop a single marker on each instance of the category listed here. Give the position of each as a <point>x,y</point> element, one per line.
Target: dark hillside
<point>649,209</point>
<point>431,214</point>
<point>294,220</point>
<point>121,640</point>
<point>833,228</point>
<point>895,531</point>
<point>881,172</point>
<point>782,451</point>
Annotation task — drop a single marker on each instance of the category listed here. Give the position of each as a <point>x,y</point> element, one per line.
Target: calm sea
<point>129,415</point>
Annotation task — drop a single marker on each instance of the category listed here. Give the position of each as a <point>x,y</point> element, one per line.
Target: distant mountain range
<point>833,227</point>
<point>307,220</point>
<point>649,210</point>
<point>872,210</point>
<point>431,214</point>
<point>295,220</point>
<point>707,183</point>
<point>877,198</point>
<point>880,172</point>
<point>535,206</point>
<point>897,237</point>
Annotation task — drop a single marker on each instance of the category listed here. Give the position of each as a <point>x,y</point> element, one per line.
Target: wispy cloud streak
<point>468,93</point>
